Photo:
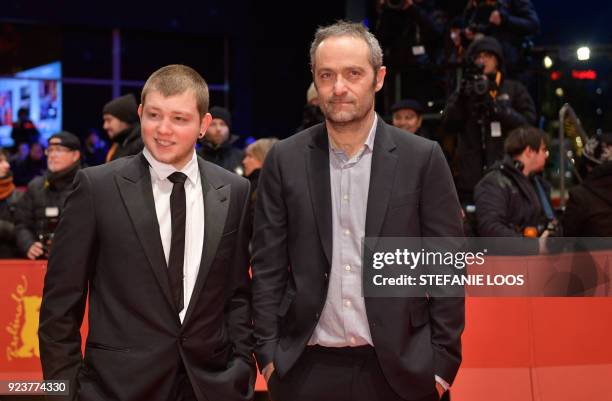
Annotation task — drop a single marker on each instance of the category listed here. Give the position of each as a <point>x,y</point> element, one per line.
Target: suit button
<point>182,339</point>
<point>325,276</point>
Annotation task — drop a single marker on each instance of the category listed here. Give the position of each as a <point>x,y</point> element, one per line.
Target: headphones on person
<point>518,165</point>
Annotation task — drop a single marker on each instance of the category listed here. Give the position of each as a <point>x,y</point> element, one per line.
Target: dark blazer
<point>108,246</point>
<point>411,194</point>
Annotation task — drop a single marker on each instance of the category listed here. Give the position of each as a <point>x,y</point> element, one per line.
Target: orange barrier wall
<point>515,349</point>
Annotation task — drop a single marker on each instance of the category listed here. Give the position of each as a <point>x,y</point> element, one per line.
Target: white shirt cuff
<point>442,382</point>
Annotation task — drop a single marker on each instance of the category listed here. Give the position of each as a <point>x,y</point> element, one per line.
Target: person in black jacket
<point>39,210</point>
<point>511,22</point>
<point>122,125</point>
<point>512,197</point>
<point>411,35</point>
<point>219,146</point>
<point>484,117</point>
<point>24,130</point>
<point>8,201</point>
<point>589,209</point>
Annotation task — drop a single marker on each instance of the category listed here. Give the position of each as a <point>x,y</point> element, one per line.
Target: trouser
<point>335,374</point>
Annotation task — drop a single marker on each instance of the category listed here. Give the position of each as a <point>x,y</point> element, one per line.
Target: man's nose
<point>164,127</point>
<point>339,86</point>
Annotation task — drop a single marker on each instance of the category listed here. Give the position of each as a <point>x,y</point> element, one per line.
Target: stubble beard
<point>345,117</point>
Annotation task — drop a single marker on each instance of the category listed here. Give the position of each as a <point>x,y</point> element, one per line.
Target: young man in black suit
<point>159,243</point>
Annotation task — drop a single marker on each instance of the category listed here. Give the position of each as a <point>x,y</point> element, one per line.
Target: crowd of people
<point>186,291</point>
<point>35,180</point>
<point>486,130</point>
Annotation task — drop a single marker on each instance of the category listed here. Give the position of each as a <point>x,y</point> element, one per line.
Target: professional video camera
<point>479,21</point>
<point>475,83</point>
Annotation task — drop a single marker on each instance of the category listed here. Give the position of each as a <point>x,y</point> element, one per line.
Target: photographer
<point>512,200</point>
<point>484,109</point>
<point>511,22</point>
<point>410,34</point>
<point>39,209</point>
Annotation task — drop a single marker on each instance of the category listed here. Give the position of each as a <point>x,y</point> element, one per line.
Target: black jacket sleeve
<point>24,222</point>
<point>517,111</point>
<point>238,304</point>
<point>522,18</point>
<point>491,213</point>
<point>270,258</point>
<point>66,286</point>
<point>440,215</point>
<point>455,112</point>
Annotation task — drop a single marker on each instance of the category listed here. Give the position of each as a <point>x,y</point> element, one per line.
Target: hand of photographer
<point>36,250</point>
<point>495,18</point>
<point>542,242</point>
<point>469,35</point>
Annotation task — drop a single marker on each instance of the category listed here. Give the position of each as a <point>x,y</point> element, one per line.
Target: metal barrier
<point>567,111</point>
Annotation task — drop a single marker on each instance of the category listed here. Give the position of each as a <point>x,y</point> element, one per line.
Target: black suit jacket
<point>411,194</point>
<point>108,246</point>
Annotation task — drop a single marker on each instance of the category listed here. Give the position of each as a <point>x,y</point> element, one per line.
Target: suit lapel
<point>134,183</point>
<point>317,165</point>
<point>382,176</point>
<point>216,204</point>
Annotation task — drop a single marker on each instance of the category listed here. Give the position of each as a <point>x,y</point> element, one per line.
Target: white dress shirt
<point>194,221</point>
<point>343,321</point>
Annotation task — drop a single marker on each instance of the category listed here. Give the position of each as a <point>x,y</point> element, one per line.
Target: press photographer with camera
<point>40,207</point>
<point>482,111</point>
<point>410,35</point>
<point>512,199</point>
<point>511,22</point>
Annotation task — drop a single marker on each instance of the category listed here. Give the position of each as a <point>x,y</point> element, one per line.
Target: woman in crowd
<point>8,201</point>
<point>255,154</point>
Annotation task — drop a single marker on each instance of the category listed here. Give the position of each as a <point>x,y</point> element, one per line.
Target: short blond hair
<point>260,148</point>
<point>175,79</point>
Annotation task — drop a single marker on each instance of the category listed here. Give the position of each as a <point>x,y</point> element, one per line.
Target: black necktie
<point>178,212</point>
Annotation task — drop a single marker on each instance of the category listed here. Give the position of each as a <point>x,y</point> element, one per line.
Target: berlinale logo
<point>24,327</point>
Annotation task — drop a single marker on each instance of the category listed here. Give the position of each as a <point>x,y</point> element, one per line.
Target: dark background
<point>261,48</point>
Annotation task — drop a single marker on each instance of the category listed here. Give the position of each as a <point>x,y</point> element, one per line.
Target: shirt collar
<point>372,134</point>
<point>369,142</point>
<point>161,171</point>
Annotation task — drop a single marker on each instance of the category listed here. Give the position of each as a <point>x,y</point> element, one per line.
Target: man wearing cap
<point>218,145</point>
<point>122,125</point>
<point>484,118</point>
<point>39,209</point>
<point>408,115</point>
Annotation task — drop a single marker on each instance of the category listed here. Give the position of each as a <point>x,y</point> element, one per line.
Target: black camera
<point>394,4</point>
<point>475,83</point>
<point>46,229</point>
